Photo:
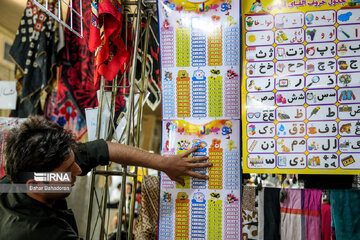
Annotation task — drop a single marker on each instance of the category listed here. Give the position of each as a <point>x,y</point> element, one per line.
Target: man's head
<point>36,146</point>
<point>128,188</point>
<point>40,146</point>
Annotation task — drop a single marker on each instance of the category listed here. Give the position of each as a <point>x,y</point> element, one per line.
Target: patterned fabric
<point>249,213</point>
<point>105,38</point>
<point>34,53</point>
<point>345,213</point>
<point>301,214</point>
<point>147,225</point>
<point>77,82</point>
<point>67,116</point>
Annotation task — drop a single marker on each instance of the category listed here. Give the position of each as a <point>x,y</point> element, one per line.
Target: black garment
<point>327,181</point>
<point>34,53</point>
<point>23,218</point>
<point>271,213</point>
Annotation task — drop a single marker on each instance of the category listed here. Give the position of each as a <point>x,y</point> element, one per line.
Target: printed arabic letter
<point>264,148</point>
<point>294,130</point>
<point>202,8</point>
<point>265,115</point>
<point>357,147</point>
<point>326,129</point>
<point>270,161</point>
<point>294,162</point>
<point>334,128</point>
<point>265,131</point>
<point>328,146</point>
<point>302,129</point>
<point>335,144</point>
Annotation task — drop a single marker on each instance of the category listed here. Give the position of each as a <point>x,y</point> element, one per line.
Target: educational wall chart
<point>200,57</point>
<point>301,86</point>
<point>202,209</point>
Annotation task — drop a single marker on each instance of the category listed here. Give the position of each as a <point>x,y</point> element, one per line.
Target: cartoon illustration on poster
<point>198,208</point>
<point>300,86</point>
<point>200,59</point>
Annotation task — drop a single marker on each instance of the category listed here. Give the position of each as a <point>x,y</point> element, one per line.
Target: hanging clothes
<point>269,214</point>
<point>67,116</point>
<point>301,214</point>
<point>326,181</point>
<point>77,84</point>
<point>2,145</point>
<point>105,38</point>
<point>325,221</point>
<point>147,224</point>
<point>34,53</point>
<point>249,213</point>
<point>345,213</point>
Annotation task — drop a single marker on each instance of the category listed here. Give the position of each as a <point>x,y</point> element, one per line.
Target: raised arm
<point>174,166</point>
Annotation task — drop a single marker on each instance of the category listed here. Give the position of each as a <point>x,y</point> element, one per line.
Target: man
<point>40,146</point>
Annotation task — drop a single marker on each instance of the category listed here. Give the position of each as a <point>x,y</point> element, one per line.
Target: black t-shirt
<point>22,217</point>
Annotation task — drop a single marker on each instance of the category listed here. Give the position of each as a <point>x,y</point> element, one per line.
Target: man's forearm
<point>174,166</point>
<point>128,155</point>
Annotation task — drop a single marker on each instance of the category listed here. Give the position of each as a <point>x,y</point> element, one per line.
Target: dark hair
<point>36,146</point>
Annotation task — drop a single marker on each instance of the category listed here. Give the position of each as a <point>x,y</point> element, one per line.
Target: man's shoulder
<point>19,227</point>
<point>56,228</point>
<point>24,218</point>
<point>4,180</point>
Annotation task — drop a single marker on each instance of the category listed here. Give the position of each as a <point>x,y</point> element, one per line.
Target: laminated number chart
<point>202,209</point>
<point>200,58</point>
<point>301,87</point>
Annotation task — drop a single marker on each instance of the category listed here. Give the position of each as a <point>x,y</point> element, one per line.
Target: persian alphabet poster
<point>301,86</point>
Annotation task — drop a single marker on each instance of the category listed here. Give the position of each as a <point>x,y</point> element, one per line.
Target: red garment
<point>325,221</point>
<point>77,82</point>
<point>3,136</point>
<point>105,39</point>
<point>138,198</point>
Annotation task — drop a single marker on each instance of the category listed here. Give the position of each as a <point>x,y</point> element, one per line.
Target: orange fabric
<point>300,212</point>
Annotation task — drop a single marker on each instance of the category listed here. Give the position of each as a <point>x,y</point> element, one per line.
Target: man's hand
<point>180,165</point>
<point>174,166</point>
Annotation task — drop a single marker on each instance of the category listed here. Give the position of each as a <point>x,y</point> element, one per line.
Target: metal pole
<point>130,107</point>
<point>100,108</point>
<point>140,112</point>
<point>126,13</point>
<point>106,183</point>
<point>103,206</point>
<point>90,207</point>
<point>92,184</point>
<point>114,90</point>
